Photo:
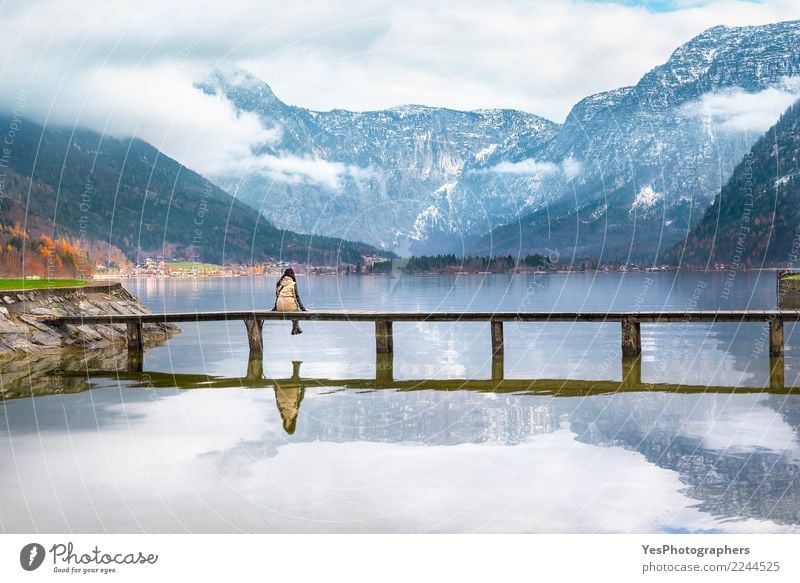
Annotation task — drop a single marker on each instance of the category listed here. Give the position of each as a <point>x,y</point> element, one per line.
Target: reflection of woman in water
<point>287,298</point>
<point>288,398</point>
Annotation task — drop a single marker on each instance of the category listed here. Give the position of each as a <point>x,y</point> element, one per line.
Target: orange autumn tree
<point>44,256</point>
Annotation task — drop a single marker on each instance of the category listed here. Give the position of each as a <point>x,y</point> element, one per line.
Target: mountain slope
<point>653,156</point>
<point>389,176</point>
<point>755,219</point>
<point>125,192</point>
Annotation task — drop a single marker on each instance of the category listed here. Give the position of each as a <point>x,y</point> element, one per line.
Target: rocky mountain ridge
<point>626,175</point>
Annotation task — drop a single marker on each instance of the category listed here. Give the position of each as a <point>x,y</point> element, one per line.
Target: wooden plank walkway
<point>372,316</point>
<point>630,327</point>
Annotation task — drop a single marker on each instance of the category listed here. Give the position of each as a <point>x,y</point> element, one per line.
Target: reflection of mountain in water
<point>736,481</point>
<point>425,417</point>
<point>419,417</point>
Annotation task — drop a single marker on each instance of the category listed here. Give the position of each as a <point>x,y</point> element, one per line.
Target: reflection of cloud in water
<point>549,484</point>
<point>730,462</point>
<point>746,425</point>
<point>219,460</point>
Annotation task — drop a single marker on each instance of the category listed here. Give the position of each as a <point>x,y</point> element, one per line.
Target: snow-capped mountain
<point>628,172</point>
<point>391,177</point>
<point>653,156</point>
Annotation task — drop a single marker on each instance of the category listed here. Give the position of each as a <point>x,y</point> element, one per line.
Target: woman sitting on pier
<point>287,298</point>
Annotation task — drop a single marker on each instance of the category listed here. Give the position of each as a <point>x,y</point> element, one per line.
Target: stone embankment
<point>789,290</point>
<point>22,332</point>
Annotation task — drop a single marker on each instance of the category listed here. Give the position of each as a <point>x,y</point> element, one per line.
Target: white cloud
<point>127,67</point>
<point>569,167</point>
<point>527,167</point>
<point>739,111</point>
<point>295,169</point>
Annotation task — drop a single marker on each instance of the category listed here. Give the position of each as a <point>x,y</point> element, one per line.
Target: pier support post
<point>384,343</point>
<point>135,347</point>
<point>632,372</point>
<point>776,374</point>
<point>255,334</point>
<point>135,361</point>
<point>135,341</point>
<point>776,337</point>
<point>498,367</point>
<point>384,368</point>
<point>497,337</point>
<point>631,337</point>
<point>296,368</point>
<point>255,365</point>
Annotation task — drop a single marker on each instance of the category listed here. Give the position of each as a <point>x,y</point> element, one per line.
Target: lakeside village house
<point>159,267</point>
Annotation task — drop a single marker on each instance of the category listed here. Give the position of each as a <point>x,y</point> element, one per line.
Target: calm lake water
<point>159,453</point>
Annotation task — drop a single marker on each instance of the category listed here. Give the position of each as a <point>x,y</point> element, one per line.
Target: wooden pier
<point>630,328</point>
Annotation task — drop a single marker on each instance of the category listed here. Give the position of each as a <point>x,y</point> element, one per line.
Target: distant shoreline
<point>431,274</point>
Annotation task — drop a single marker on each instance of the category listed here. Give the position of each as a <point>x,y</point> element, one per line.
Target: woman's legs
<point>296,327</point>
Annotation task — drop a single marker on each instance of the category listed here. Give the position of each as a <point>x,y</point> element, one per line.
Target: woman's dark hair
<point>289,273</point>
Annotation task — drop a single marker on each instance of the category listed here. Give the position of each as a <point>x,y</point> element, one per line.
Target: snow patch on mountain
<point>429,218</point>
<point>447,188</point>
<point>784,180</point>
<point>486,152</point>
<point>646,199</point>
<point>597,214</point>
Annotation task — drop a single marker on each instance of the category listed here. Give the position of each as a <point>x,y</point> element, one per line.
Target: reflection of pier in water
<point>51,375</point>
<point>631,381</point>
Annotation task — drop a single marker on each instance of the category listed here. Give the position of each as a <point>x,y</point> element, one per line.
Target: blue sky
<point>661,5</point>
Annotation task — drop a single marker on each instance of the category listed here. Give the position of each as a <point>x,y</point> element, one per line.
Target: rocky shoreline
<point>21,331</point>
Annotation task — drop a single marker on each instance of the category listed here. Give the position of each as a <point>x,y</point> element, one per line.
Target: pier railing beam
<point>497,337</point>
<point>776,337</point>
<point>631,337</point>
<point>384,342</point>
<point>255,334</point>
